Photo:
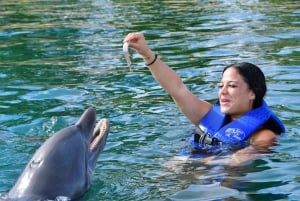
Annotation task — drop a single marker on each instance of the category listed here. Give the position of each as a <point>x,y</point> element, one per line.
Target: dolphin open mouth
<point>99,135</point>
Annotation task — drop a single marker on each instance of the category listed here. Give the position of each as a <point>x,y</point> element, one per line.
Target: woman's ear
<point>252,95</point>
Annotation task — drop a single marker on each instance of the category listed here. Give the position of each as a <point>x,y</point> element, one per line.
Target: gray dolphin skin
<point>65,163</point>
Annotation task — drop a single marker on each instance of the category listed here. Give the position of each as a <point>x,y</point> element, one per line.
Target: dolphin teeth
<point>99,132</point>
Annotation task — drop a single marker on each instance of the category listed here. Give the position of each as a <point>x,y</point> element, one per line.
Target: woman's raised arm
<point>188,103</point>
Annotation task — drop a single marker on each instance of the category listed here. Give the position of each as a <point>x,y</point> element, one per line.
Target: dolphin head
<point>64,164</point>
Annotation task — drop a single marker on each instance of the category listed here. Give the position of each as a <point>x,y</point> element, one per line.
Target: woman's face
<point>234,94</point>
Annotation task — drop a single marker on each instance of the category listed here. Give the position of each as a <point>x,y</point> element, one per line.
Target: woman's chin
<point>225,109</point>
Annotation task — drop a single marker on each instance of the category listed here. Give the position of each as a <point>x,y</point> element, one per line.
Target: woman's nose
<point>223,90</point>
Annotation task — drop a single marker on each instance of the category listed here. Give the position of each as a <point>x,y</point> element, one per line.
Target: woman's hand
<point>137,41</point>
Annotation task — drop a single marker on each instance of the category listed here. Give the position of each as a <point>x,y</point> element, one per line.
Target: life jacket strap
<point>205,139</point>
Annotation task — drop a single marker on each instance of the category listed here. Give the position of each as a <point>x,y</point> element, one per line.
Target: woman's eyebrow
<point>233,82</point>
<point>230,82</point>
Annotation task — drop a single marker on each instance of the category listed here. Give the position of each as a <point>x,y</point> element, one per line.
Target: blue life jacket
<point>239,130</point>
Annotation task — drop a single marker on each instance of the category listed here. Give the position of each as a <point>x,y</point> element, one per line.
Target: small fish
<point>126,54</point>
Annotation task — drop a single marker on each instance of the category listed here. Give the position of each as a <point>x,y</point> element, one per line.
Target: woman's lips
<point>224,101</point>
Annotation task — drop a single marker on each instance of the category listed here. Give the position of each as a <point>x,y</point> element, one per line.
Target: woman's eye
<point>231,85</point>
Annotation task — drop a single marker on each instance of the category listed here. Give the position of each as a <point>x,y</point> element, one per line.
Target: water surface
<point>59,57</point>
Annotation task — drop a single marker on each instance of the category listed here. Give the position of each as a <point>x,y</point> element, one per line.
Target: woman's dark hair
<point>255,79</point>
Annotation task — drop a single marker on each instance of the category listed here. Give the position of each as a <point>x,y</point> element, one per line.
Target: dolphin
<point>65,162</point>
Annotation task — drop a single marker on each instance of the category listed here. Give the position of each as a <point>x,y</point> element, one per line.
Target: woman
<point>241,114</point>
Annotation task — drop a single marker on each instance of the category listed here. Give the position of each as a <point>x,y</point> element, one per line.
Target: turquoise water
<point>59,57</point>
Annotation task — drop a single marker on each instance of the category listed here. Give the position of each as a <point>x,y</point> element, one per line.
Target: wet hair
<point>255,79</point>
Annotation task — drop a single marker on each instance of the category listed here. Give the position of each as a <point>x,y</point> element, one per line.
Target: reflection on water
<point>59,57</point>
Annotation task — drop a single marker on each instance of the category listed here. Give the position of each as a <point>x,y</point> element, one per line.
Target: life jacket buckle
<point>205,139</point>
